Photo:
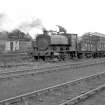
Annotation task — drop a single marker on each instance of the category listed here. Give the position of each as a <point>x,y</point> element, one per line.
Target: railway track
<point>93,97</point>
<point>31,63</point>
<point>50,69</point>
<point>14,57</point>
<point>14,85</point>
<point>70,93</point>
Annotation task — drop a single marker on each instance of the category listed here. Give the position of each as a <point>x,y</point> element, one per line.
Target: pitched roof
<point>94,33</point>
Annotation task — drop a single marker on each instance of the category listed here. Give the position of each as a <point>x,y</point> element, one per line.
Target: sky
<point>77,16</point>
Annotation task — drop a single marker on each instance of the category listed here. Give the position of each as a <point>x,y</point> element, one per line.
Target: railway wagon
<point>59,46</point>
<point>92,45</point>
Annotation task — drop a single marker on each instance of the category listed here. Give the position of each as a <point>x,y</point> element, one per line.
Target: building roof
<point>15,35</point>
<point>94,33</point>
<point>18,35</point>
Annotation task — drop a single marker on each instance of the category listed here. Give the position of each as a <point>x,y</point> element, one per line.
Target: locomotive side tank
<point>44,41</point>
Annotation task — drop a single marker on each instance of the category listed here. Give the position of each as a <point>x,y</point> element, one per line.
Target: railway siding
<point>60,93</point>
<point>43,65</point>
<point>50,69</point>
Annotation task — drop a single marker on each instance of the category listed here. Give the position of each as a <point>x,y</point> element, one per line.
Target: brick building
<point>14,41</point>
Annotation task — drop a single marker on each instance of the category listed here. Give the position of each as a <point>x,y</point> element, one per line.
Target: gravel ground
<point>32,65</point>
<point>62,93</point>
<point>17,86</point>
<point>35,65</point>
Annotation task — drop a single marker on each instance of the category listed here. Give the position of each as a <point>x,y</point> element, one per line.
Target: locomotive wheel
<point>94,55</point>
<point>43,58</point>
<point>36,58</point>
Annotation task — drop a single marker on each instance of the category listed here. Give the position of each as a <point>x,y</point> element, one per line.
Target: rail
<point>77,95</point>
<point>49,69</point>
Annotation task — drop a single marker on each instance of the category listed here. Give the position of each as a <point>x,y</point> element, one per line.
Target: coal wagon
<point>92,45</point>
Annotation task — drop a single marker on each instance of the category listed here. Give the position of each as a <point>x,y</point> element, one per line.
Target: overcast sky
<point>77,16</point>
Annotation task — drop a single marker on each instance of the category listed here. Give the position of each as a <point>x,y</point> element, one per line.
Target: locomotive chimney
<point>45,32</point>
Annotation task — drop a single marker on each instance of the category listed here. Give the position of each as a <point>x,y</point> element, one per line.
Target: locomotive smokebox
<point>43,41</point>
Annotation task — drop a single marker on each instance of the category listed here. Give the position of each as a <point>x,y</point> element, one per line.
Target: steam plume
<point>27,26</point>
<point>2,19</point>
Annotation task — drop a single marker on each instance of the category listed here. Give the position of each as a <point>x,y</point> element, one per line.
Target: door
<point>11,46</point>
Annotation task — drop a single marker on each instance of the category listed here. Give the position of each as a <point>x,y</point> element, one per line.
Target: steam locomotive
<point>63,46</point>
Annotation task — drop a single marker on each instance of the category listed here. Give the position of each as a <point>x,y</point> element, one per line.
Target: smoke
<point>2,16</point>
<point>6,24</point>
<point>32,26</point>
<point>29,25</point>
<point>2,20</point>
